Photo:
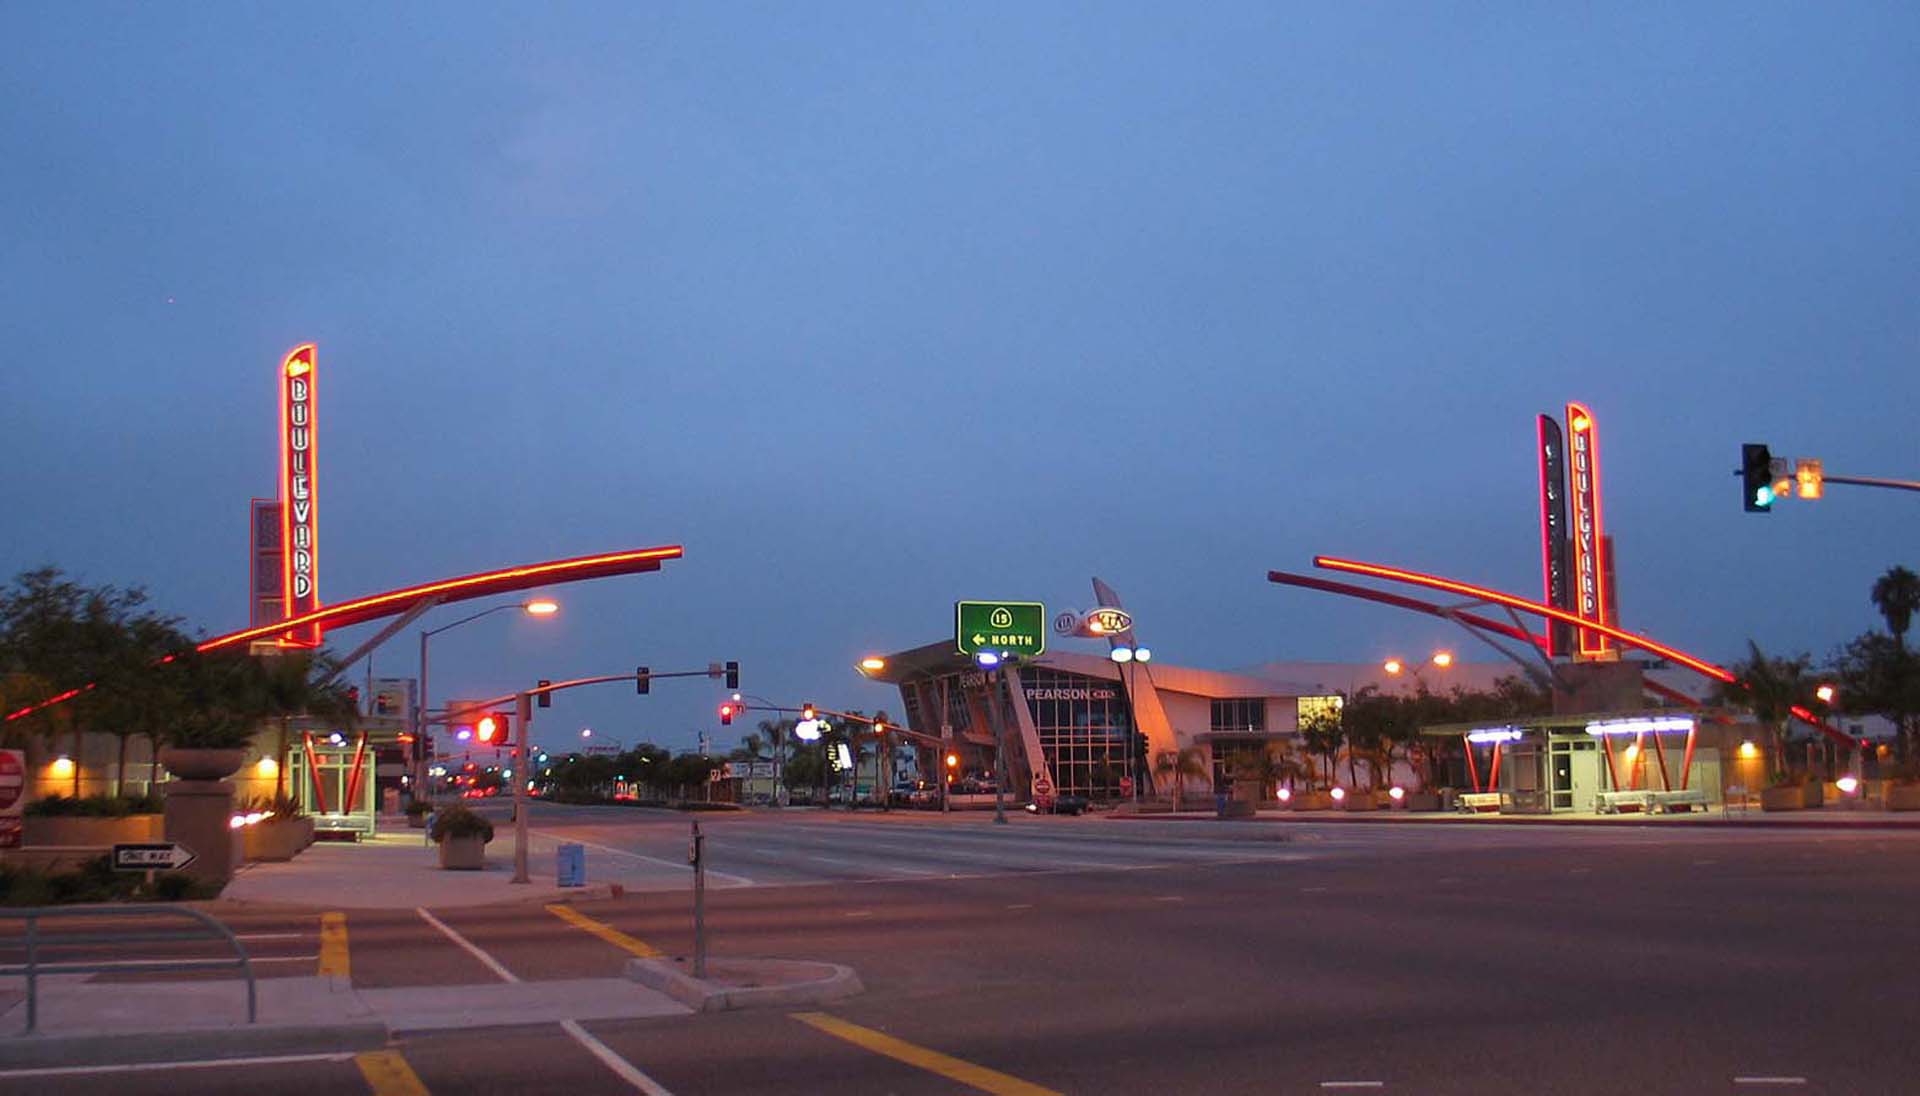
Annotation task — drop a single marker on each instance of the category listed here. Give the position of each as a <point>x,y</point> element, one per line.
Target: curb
<point>799,983</point>
<point>1442,819</point>
<point>592,892</point>
<point>28,1051</point>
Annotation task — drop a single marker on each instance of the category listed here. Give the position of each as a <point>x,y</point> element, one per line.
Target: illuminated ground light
<point>1339,794</point>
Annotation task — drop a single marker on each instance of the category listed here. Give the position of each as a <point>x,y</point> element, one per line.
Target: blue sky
<point>878,306</point>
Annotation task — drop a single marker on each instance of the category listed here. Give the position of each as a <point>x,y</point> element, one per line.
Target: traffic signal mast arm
<point>851,718</point>
<point>556,686</point>
<point>1873,481</point>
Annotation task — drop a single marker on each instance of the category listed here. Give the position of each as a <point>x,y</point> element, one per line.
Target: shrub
<point>174,886</point>
<point>93,806</point>
<point>459,821</point>
<point>419,807</point>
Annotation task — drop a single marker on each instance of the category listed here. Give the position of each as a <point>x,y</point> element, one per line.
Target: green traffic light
<point>1763,497</point>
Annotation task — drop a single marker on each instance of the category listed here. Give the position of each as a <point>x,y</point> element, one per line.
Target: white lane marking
<point>1021,906</point>
<point>834,860</point>
<point>149,1067</point>
<point>1769,1080</point>
<point>737,880</point>
<point>486,960</point>
<point>859,913</point>
<point>250,958</point>
<point>1170,898</point>
<point>1353,1084</point>
<point>270,935</point>
<point>622,1068</point>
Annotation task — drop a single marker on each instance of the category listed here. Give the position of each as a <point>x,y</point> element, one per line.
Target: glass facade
<point>1083,727</point>
<point>1239,715</point>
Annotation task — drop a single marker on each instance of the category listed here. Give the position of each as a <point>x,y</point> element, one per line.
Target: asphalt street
<point>1094,955</point>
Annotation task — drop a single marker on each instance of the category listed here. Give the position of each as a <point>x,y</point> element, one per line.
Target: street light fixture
<point>532,607</point>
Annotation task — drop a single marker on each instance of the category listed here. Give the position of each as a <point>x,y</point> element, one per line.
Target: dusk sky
<point>873,307</point>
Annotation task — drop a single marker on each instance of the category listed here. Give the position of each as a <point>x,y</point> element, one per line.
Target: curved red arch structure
<point>1482,593</point>
<point>448,590</point>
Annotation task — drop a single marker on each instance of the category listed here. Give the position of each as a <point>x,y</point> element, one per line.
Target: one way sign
<point>154,857</point>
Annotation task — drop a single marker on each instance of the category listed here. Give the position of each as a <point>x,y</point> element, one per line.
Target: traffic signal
<point>807,712</point>
<point>733,675</point>
<point>490,729</point>
<point>1756,478</point>
<point>546,699</point>
<point>1811,476</point>
<point>726,713</point>
<point>642,680</point>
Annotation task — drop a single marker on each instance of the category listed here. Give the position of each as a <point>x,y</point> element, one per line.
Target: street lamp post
<point>422,711</point>
<point>1128,656</point>
<point>992,667</point>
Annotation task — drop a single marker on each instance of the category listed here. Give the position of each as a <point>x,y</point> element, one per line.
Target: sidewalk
<point>400,869</point>
<point>1834,817</point>
<point>119,1022</point>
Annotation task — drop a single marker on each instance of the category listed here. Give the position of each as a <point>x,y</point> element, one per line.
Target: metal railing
<point>34,940</point>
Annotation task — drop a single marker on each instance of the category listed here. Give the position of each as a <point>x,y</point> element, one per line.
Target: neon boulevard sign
<point>299,558</point>
<point>1589,572</point>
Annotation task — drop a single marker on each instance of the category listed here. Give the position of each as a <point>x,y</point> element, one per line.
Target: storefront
<point>1655,761</point>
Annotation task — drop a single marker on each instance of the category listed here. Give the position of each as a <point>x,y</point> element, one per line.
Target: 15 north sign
<point>1015,629</point>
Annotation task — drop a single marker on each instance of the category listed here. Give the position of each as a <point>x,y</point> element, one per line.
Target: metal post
<point>33,972</point>
<point>996,720</point>
<point>699,858</point>
<point>523,715</point>
<point>422,762</point>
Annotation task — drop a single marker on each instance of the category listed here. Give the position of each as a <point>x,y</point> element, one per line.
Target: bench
<point>1618,802</point>
<point>1474,802</point>
<point>1688,800</point>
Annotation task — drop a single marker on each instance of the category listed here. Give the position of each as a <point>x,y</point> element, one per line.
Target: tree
<point>71,636</point>
<point>1323,733</point>
<point>1877,674</point>
<point>1179,765</point>
<point>1897,595</point>
<point>1770,688</point>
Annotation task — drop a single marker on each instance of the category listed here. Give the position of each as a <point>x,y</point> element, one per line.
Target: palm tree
<point>1324,732</point>
<point>1178,765</point>
<point>1770,688</point>
<point>776,732</point>
<point>1897,595</point>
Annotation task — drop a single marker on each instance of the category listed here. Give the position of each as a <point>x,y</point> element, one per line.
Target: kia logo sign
<point>1094,623</point>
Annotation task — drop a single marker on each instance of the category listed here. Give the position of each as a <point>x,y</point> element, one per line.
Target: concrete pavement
<point>1229,957</point>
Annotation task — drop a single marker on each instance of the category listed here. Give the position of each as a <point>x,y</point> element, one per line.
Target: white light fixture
<point>1496,734</point>
<point>987,660</point>
<point>1143,654</point>
<point>1121,654</point>
<point>1654,725</point>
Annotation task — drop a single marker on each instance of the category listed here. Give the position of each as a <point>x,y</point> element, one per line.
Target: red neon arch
<point>1630,639</point>
<point>1416,578</point>
<point>463,588</point>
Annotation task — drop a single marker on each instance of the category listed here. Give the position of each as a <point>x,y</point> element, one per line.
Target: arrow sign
<point>166,856</point>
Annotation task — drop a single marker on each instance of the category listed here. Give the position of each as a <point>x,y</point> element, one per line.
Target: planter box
<point>1312,801</point>
<point>463,853</point>
<point>134,829</point>
<point>1360,801</point>
<point>1903,797</point>
<point>1422,801</point>
<point>1783,799</point>
<point>1814,793</point>
<point>277,840</point>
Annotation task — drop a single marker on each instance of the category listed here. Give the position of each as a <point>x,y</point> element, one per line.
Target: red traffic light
<point>486,728</point>
<point>726,714</point>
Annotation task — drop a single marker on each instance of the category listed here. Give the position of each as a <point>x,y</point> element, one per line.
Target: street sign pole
<point>697,854</point>
<point>523,715</point>
<point>996,720</point>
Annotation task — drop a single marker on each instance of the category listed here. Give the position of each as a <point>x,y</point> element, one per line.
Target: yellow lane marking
<point>333,945</point>
<point>979,1077</point>
<point>388,1074</point>
<point>604,931</point>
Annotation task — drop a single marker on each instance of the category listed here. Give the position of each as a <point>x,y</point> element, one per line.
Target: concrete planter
<point>1789,798</point>
<point>1422,801</point>
<point>1312,801</point>
<point>1360,801</point>
<point>134,829</point>
<point>1814,793</point>
<point>277,839</point>
<point>1903,797</point>
<point>463,853</point>
<point>189,763</point>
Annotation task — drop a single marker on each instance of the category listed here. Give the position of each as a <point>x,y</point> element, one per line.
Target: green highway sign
<point>1010,628</point>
